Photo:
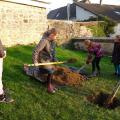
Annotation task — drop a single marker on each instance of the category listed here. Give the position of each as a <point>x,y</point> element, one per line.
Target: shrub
<point>97,31</point>
<point>108,26</point>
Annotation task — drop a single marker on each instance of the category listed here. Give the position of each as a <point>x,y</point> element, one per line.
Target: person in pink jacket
<point>95,53</point>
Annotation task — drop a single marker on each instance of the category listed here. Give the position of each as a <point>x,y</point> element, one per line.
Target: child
<point>44,52</point>
<point>3,98</point>
<point>94,49</point>
<point>116,55</point>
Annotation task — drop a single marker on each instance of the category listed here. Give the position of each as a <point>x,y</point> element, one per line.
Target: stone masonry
<point>107,44</point>
<point>25,24</point>
<point>68,29</point>
<point>21,24</point>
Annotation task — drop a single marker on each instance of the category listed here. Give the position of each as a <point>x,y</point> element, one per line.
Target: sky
<point>59,3</point>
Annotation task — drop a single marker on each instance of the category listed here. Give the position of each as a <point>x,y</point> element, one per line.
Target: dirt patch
<point>100,100</point>
<point>61,76</point>
<point>65,76</point>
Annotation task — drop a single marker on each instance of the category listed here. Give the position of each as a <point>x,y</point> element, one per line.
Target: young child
<point>116,55</point>
<point>3,98</point>
<point>44,52</point>
<point>94,49</point>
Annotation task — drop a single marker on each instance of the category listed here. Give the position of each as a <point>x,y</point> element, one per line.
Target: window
<point>57,15</point>
<point>117,12</point>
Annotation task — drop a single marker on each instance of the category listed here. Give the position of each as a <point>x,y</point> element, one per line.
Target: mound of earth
<point>65,76</point>
<point>62,76</point>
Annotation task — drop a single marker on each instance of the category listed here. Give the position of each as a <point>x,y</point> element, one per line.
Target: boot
<point>50,88</point>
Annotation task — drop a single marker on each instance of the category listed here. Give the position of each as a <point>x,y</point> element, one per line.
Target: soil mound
<point>61,76</point>
<point>65,76</point>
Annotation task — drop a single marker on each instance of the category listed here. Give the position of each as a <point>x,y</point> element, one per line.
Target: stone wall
<point>25,24</point>
<point>107,44</point>
<point>68,29</point>
<point>21,24</point>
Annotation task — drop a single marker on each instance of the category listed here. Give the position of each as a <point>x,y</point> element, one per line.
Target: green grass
<point>32,102</point>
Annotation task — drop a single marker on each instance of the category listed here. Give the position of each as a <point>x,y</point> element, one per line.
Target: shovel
<point>89,60</point>
<point>72,60</point>
<point>110,98</point>
<point>82,68</point>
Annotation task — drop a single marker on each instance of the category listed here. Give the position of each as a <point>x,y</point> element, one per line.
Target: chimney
<point>68,11</point>
<point>100,2</point>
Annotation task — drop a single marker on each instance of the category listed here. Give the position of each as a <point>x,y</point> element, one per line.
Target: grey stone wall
<point>25,24</point>
<point>68,30</point>
<point>107,44</point>
<point>21,24</point>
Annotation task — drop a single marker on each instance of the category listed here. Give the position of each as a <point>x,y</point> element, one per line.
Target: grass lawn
<point>32,102</point>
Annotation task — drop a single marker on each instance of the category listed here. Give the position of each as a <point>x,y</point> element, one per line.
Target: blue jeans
<point>117,69</point>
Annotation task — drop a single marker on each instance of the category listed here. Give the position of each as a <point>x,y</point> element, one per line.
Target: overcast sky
<point>58,3</point>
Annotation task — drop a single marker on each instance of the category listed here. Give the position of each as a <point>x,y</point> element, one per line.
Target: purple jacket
<point>96,50</point>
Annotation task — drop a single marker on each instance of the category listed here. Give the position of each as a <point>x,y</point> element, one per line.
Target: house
<point>80,11</point>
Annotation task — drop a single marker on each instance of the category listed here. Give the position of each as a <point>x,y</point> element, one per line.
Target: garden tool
<point>72,60</point>
<point>82,68</point>
<point>111,97</point>
<point>89,60</point>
